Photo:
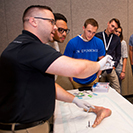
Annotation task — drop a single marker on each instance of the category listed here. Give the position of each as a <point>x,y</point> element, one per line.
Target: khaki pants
<point>77,85</point>
<point>112,78</point>
<point>42,128</point>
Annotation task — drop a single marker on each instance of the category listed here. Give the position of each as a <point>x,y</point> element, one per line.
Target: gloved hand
<point>82,104</point>
<point>106,62</point>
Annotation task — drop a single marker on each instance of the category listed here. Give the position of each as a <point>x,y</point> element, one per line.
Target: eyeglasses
<point>61,30</point>
<point>51,20</point>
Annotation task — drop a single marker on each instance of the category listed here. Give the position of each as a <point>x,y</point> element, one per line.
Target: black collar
<point>32,35</point>
<point>107,35</point>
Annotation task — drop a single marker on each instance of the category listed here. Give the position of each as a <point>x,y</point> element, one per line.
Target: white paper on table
<point>75,120</point>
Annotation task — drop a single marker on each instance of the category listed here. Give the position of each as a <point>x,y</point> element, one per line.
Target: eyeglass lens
<point>61,30</point>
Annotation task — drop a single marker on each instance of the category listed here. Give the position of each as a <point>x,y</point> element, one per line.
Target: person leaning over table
<point>59,37</point>
<point>27,68</point>
<point>86,46</point>
<point>60,33</point>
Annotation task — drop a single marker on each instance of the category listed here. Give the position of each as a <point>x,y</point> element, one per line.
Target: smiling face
<point>118,32</point>
<point>59,36</point>
<point>89,32</point>
<point>112,27</point>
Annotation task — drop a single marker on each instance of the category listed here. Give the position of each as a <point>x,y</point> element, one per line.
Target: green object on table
<point>89,95</point>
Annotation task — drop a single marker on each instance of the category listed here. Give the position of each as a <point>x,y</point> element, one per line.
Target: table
<point>68,118</point>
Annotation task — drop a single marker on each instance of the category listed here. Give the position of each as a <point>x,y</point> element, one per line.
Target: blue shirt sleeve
<point>131,40</point>
<point>69,49</point>
<point>101,51</point>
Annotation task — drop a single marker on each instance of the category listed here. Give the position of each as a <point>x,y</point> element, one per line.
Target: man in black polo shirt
<point>113,47</point>
<point>27,68</point>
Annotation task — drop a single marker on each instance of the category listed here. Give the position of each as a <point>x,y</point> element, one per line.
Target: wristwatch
<point>99,76</point>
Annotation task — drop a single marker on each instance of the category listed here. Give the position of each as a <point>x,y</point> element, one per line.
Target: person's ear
<point>108,23</point>
<point>83,28</point>
<point>33,21</point>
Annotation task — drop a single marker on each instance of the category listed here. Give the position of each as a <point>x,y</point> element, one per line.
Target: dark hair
<point>116,20</point>
<point>121,34</point>
<point>91,21</point>
<point>59,16</point>
<point>28,9</point>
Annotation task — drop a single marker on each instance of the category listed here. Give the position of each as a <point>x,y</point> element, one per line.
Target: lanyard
<point>107,46</point>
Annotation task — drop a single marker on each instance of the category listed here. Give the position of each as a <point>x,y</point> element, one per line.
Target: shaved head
<point>34,10</point>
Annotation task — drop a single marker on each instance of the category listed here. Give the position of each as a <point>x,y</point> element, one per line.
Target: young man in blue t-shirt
<point>86,46</point>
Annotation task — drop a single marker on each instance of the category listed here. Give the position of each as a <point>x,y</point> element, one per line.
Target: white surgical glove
<point>82,104</point>
<point>106,62</point>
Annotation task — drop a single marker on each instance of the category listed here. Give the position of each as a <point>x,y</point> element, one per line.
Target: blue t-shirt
<point>131,40</point>
<point>91,50</point>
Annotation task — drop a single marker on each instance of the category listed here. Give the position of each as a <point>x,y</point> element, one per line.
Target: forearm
<point>99,73</point>
<point>71,79</point>
<point>124,64</point>
<point>62,94</point>
<point>131,54</point>
<point>69,67</point>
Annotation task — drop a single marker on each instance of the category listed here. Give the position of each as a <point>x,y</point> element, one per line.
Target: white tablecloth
<point>68,118</point>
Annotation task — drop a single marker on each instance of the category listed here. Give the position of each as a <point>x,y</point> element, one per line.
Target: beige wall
<point>76,11</point>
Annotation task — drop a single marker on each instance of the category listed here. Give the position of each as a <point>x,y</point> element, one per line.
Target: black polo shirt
<point>27,93</point>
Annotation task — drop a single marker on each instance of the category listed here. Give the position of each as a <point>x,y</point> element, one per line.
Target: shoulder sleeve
<point>38,56</point>
<point>131,40</point>
<point>69,50</point>
<point>99,35</point>
<point>124,52</point>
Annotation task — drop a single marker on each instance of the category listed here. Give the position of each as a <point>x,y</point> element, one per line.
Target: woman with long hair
<point>121,67</point>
